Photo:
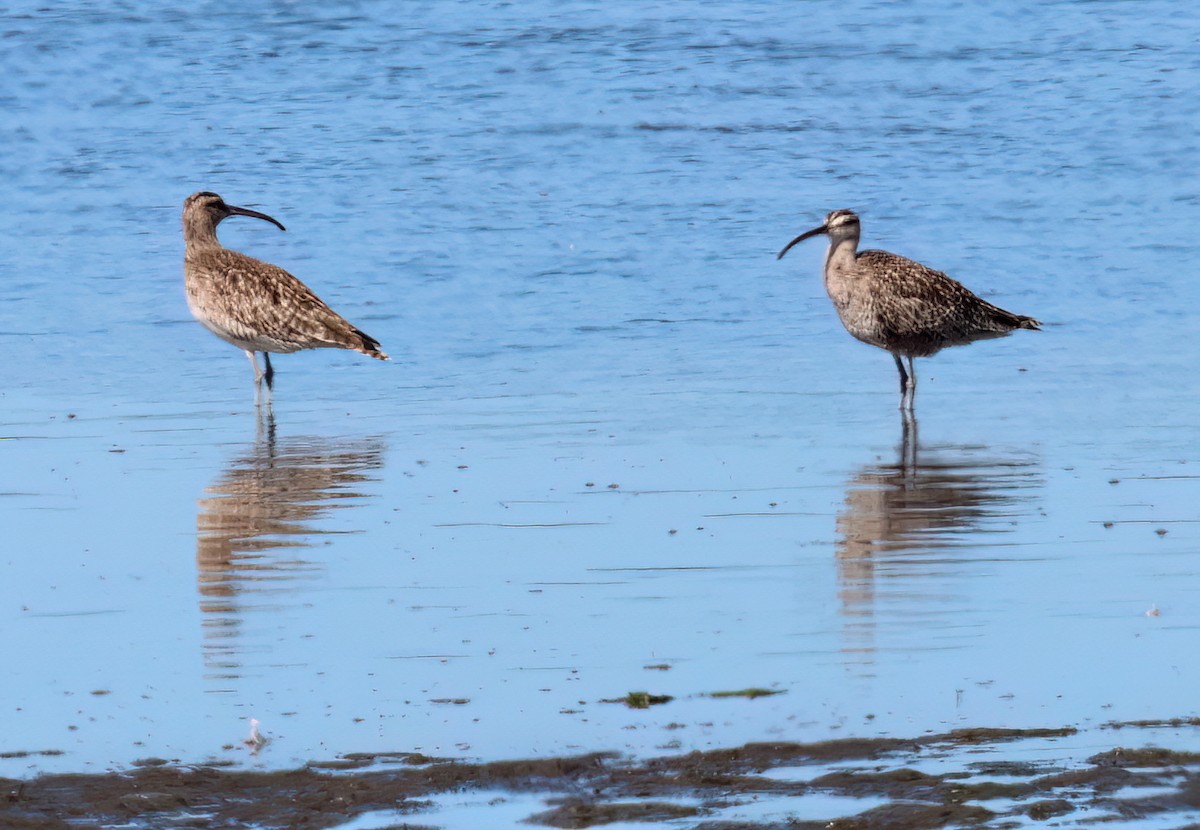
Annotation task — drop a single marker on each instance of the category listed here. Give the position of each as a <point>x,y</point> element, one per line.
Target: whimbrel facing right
<point>254,305</point>
<point>901,305</point>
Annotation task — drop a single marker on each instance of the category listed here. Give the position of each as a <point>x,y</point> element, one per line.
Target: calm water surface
<point>620,447</point>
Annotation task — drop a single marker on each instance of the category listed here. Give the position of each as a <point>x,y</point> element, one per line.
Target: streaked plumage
<point>256,306</point>
<point>900,305</point>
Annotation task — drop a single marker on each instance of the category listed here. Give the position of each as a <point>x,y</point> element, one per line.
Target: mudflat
<point>979,780</point>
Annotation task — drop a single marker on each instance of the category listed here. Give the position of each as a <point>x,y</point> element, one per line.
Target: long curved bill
<point>240,211</point>
<point>801,238</point>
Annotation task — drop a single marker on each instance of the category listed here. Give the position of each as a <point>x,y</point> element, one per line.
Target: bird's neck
<point>842,254</point>
<point>199,236</point>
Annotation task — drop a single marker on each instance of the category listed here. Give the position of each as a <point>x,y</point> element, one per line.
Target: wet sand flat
<point>962,778</point>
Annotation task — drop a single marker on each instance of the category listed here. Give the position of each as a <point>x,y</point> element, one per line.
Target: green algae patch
<point>750,693</point>
<point>640,700</point>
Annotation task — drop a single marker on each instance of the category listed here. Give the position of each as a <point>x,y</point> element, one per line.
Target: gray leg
<point>254,366</point>
<point>259,377</point>
<point>912,384</point>
<point>907,383</point>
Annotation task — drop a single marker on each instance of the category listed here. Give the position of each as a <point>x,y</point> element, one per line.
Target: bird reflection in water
<point>908,525</point>
<point>257,518</point>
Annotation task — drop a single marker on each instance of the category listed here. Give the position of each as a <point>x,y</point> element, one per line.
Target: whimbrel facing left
<point>254,305</point>
<point>900,305</point>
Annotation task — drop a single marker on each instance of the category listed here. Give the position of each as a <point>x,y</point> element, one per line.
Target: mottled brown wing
<point>917,301</point>
<point>262,302</point>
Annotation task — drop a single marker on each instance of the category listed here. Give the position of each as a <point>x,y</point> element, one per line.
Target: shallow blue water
<point>616,433</point>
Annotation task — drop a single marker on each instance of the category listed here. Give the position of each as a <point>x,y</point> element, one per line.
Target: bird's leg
<point>258,376</point>
<point>904,381</point>
<point>253,365</point>
<point>912,383</point>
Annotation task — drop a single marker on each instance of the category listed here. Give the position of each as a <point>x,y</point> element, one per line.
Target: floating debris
<point>255,740</point>
<point>750,693</point>
<point>640,700</point>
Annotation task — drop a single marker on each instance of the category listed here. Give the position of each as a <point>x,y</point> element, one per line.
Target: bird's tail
<point>1006,321</point>
<point>370,346</point>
